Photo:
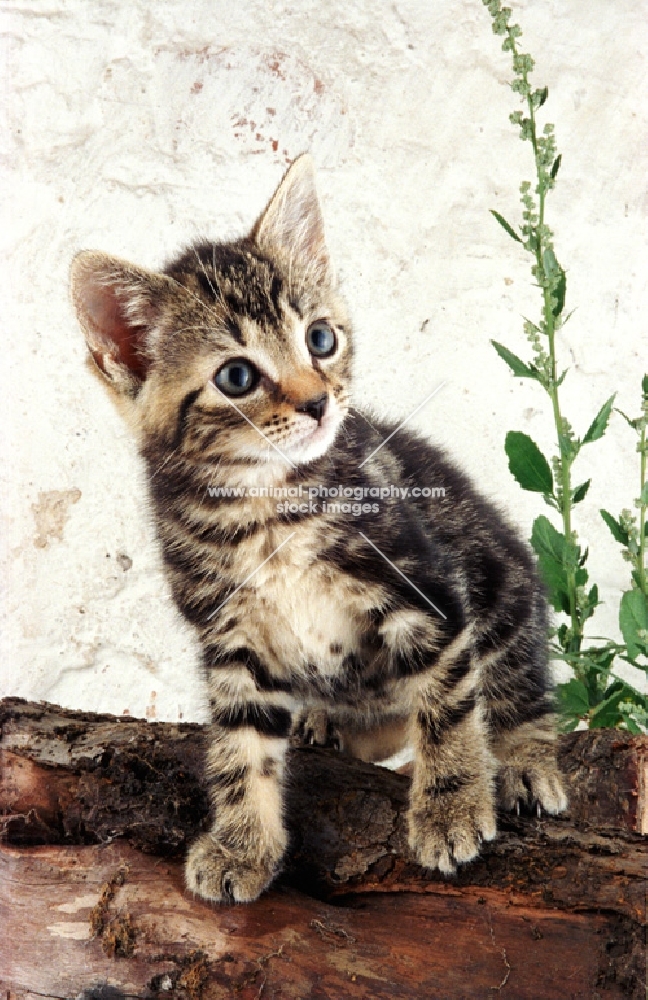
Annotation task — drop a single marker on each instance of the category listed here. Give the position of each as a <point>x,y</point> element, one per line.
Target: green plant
<point>595,694</point>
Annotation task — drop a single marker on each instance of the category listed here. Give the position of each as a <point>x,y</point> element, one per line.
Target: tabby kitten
<point>417,620</point>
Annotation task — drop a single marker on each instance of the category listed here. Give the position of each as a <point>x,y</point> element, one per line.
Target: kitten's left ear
<point>293,222</point>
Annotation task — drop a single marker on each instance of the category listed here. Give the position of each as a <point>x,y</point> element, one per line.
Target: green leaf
<point>527,463</point>
<point>542,96</point>
<point>556,166</point>
<point>559,381</point>
<point>633,618</point>
<point>598,426</point>
<point>551,549</point>
<point>580,492</point>
<point>573,698</point>
<point>505,225</point>
<point>558,278</point>
<point>643,496</point>
<point>607,714</point>
<point>550,262</point>
<point>644,385</point>
<point>631,725</point>
<point>620,534</point>
<point>562,634</point>
<point>601,658</point>
<point>517,366</point>
<point>559,294</point>
<point>633,423</point>
<point>546,540</point>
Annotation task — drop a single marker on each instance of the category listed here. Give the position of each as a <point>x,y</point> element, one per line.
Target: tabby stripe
<point>234,795</point>
<point>435,726</point>
<point>459,669</point>
<point>268,720</point>
<point>294,517</point>
<point>447,785</point>
<point>518,714</point>
<point>206,285</point>
<point>409,664</point>
<point>263,679</point>
<point>183,412</point>
<point>510,619</point>
<point>221,536</point>
<point>200,612</point>
<point>228,779</point>
<point>188,562</point>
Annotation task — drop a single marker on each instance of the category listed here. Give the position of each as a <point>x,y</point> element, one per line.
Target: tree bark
<point>552,908</point>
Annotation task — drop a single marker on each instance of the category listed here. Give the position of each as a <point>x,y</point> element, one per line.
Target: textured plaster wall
<point>134,127</point>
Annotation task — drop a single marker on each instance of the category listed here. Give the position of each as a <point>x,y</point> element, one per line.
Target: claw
<point>538,810</point>
<point>517,806</point>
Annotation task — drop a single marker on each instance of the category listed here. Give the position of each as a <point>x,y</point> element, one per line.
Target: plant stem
<point>576,635</point>
<point>643,585</point>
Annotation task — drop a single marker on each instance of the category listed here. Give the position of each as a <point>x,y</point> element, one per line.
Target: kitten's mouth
<point>312,443</point>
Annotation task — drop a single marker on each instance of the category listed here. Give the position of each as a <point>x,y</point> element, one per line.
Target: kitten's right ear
<point>292,222</point>
<point>117,305</point>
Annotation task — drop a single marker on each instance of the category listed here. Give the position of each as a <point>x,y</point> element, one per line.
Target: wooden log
<point>76,918</point>
<point>70,778</point>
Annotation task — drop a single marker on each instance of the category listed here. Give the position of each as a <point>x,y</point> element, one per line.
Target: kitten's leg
<point>521,715</point>
<point>452,799</point>
<point>528,768</point>
<point>241,853</point>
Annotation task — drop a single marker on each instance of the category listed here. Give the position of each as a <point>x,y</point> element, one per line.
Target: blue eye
<point>321,340</point>
<point>236,378</point>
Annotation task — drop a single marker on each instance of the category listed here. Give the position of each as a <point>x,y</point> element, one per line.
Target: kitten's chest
<point>306,622</point>
<point>309,616</point>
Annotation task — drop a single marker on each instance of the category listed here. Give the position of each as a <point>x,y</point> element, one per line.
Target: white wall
<point>134,127</point>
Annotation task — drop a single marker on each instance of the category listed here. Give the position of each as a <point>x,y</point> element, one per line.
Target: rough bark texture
<point>553,908</point>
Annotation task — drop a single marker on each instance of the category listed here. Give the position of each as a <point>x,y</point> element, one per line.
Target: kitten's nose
<point>315,408</point>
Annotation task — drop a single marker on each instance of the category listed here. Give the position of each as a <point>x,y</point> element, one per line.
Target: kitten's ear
<point>117,305</point>
<point>293,222</point>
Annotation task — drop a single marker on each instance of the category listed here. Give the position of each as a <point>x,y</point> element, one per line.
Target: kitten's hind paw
<point>540,785</point>
<point>528,772</point>
<point>220,875</point>
<point>316,729</point>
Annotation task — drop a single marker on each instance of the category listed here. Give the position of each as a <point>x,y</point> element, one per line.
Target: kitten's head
<point>236,351</point>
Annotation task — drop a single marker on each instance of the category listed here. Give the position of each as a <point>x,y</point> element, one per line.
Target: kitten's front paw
<point>221,875</point>
<point>448,829</point>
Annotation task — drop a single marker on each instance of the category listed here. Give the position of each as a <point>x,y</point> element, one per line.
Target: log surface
<point>121,787</point>
<point>155,940</point>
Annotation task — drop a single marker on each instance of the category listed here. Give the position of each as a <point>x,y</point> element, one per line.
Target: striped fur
<point>417,620</point>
